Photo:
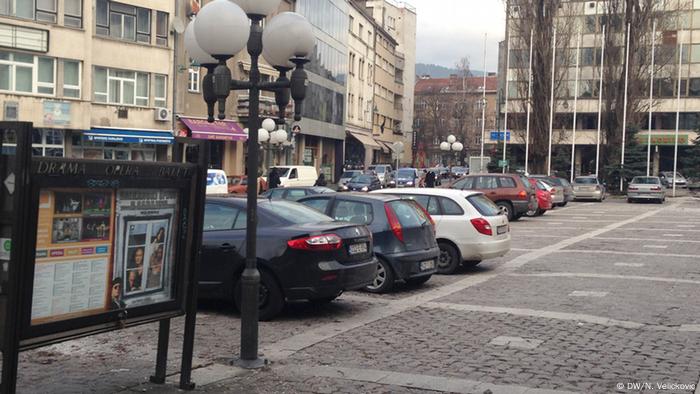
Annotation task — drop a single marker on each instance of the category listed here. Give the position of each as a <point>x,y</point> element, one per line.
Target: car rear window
<point>350,174</point>
<point>482,204</point>
<point>586,181</point>
<point>642,180</point>
<point>293,213</point>
<point>353,212</point>
<point>363,179</point>
<point>409,215</point>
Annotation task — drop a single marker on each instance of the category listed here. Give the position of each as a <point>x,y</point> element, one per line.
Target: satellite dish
<point>178,26</point>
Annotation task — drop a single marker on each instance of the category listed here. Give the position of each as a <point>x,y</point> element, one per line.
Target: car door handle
<point>227,247</point>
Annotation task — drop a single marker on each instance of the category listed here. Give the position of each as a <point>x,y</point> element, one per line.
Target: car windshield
<point>482,204</point>
<point>459,169</point>
<point>210,179</point>
<point>541,185</point>
<point>405,174</point>
<point>349,174</point>
<point>378,170</point>
<point>586,181</point>
<point>282,172</point>
<point>292,213</point>
<point>362,179</point>
<point>643,180</point>
<point>322,190</point>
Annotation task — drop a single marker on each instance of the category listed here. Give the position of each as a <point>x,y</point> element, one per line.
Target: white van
<point>294,176</point>
<point>217,182</point>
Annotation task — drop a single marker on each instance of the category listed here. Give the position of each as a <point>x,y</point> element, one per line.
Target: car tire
<point>384,279</point>
<point>532,214</point>
<point>506,208</point>
<point>516,218</point>
<point>418,281</point>
<point>270,295</point>
<point>448,259</point>
<point>629,201</point>
<point>472,263</point>
<point>563,204</point>
<point>540,212</point>
<point>325,300</point>
<point>661,201</point>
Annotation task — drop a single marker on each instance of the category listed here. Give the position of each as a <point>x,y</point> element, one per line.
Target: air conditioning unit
<point>163,114</point>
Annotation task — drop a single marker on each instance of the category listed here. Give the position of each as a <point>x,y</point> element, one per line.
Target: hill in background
<point>437,71</point>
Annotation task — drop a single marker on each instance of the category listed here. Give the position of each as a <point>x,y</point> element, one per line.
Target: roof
<point>453,193</point>
<point>365,197</point>
<point>455,84</point>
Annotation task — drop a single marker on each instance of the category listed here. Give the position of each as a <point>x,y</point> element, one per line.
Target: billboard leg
<point>162,356</point>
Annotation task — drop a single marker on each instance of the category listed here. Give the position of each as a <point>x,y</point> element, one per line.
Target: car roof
<point>454,193</point>
<point>367,197</point>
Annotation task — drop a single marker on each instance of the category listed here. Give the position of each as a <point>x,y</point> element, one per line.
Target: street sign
<point>502,163</point>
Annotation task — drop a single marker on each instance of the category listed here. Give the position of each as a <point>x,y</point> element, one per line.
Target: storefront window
<point>83,149</point>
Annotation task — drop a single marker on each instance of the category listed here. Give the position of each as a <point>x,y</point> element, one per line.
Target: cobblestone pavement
<point>594,298</point>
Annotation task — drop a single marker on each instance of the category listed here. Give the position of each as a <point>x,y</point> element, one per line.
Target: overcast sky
<point>450,29</point>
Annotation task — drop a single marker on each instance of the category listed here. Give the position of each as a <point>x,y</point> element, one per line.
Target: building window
<point>124,22</point>
<point>47,142</point>
<point>82,149</point>
<point>360,107</point>
<point>73,13</point>
<point>121,87</point>
<point>193,84</point>
<point>71,78</point>
<point>24,73</point>
<point>40,10</point>
<point>45,10</point>
<point>160,93</point>
<point>162,28</point>
<point>351,23</point>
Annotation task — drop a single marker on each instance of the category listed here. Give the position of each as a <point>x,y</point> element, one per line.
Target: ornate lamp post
<point>451,145</point>
<point>221,30</point>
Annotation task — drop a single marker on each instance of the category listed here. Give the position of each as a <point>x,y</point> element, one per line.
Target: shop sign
<point>56,113</point>
<point>663,139</point>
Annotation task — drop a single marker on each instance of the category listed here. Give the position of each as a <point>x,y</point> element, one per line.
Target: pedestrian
<point>273,179</point>
<point>430,179</point>
<point>321,181</point>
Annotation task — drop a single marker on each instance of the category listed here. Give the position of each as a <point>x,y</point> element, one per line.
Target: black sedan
<point>294,193</point>
<point>302,254</point>
<point>404,234</point>
<point>362,183</point>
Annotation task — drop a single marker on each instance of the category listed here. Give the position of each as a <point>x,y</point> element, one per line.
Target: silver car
<point>588,188</point>
<point>667,179</point>
<point>646,188</point>
<point>347,175</point>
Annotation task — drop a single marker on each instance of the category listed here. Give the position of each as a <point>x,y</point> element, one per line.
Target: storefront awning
<point>386,146</point>
<point>221,130</point>
<point>366,140</point>
<point>129,136</point>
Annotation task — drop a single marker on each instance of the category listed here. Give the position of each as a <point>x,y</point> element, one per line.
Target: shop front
<point>226,141</point>
<point>360,149</point>
<point>106,143</point>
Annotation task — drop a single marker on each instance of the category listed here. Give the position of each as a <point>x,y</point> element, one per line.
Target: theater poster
<point>101,250</point>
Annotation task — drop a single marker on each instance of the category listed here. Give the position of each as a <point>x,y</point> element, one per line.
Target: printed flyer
<point>99,250</point>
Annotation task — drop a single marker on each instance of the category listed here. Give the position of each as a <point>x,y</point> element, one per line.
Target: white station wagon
<point>469,228</point>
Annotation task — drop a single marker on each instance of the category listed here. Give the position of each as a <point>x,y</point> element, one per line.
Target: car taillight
<point>522,194</point>
<point>656,188</point>
<point>633,188</point>
<point>394,222</point>
<point>482,225</point>
<point>427,215</point>
<point>325,242</point>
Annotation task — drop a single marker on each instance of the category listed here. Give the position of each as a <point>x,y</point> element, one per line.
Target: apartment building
<point>94,76</point>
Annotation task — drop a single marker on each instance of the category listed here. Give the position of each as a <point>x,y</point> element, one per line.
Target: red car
<point>544,198</point>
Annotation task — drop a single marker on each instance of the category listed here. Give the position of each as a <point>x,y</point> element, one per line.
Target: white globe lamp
<point>444,146</point>
<point>194,51</point>
<point>263,135</point>
<point>269,125</point>
<point>451,139</point>
<point>288,35</point>
<point>457,147</point>
<point>258,7</point>
<point>222,28</point>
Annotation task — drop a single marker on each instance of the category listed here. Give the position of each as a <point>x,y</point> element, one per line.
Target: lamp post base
<point>249,364</point>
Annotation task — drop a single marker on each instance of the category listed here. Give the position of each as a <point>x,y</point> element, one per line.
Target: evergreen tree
<point>635,162</point>
<point>690,160</point>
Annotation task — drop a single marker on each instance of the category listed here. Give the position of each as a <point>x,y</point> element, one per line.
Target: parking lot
<point>593,297</point>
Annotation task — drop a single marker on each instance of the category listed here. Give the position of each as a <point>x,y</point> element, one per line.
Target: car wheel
<point>629,201</point>
<point>516,218</point>
<point>270,297</point>
<point>563,204</point>
<point>418,281</point>
<point>505,209</point>
<point>448,260</point>
<point>661,201</point>
<point>532,213</point>
<point>383,280</point>
<point>540,212</point>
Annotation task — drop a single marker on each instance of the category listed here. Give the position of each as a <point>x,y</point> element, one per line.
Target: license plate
<point>358,248</point>
<point>501,230</point>
<point>427,265</point>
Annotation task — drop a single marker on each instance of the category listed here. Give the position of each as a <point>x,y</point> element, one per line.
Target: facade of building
<point>95,77</point>
<point>399,19</point>
<point>677,26</point>
<point>452,106</point>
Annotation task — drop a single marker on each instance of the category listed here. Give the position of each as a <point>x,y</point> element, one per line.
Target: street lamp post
<point>451,145</point>
<point>221,30</point>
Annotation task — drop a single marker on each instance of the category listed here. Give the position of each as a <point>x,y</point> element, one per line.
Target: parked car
<point>239,184</point>
<point>404,235</point>
<point>406,177</point>
<point>667,179</point>
<point>383,172</point>
<point>568,189</point>
<point>557,192</point>
<point>346,176</point>
<point>362,183</point>
<point>458,172</point>
<point>646,188</point>
<point>306,255</point>
<point>512,193</point>
<point>544,197</point>
<point>291,176</point>
<point>295,193</point>
<point>588,188</point>
<point>469,227</point>
<point>217,182</point>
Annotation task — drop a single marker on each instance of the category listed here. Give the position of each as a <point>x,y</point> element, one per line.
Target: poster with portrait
<point>144,245</point>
